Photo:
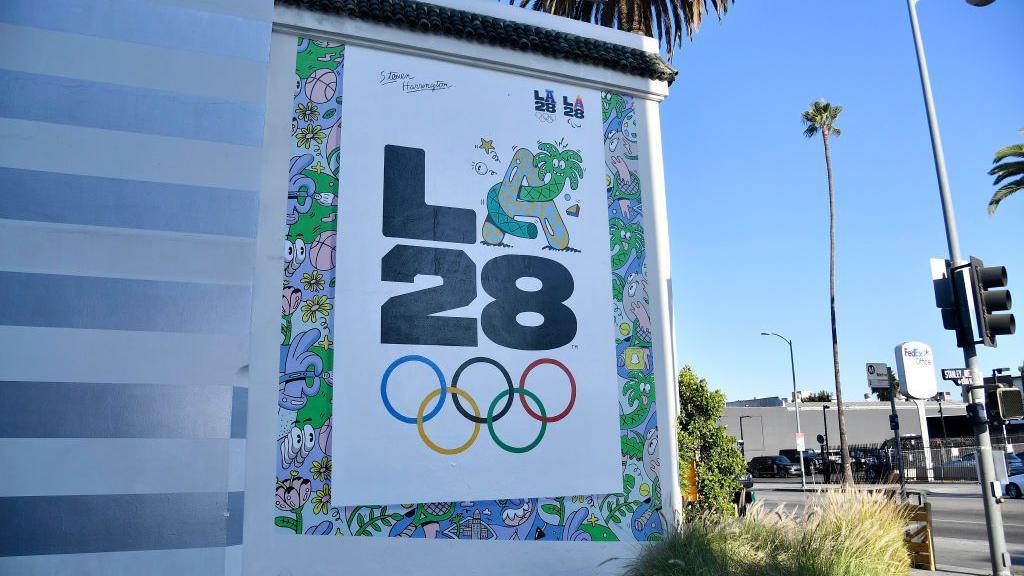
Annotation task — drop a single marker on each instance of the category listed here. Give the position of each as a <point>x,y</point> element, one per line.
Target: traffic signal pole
<point>998,553</point>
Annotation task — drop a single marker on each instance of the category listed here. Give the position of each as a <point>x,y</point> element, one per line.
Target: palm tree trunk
<point>844,448</point>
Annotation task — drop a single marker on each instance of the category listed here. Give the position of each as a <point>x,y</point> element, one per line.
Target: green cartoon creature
<point>529,189</point>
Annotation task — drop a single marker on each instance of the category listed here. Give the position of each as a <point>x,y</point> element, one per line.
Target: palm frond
<point>1011,150</point>
<point>1006,170</point>
<point>821,116</point>
<point>1005,192</point>
<point>667,19</point>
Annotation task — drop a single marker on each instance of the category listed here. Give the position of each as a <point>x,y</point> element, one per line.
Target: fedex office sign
<point>916,369</point>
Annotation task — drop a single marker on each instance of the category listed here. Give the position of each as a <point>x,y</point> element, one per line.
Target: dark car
<point>810,458</point>
<point>778,466</point>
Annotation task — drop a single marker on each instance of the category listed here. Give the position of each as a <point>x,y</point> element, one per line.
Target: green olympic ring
<point>490,421</point>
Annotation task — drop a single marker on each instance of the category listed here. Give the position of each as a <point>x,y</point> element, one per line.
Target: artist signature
<point>409,83</point>
<point>432,86</point>
<point>390,76</point>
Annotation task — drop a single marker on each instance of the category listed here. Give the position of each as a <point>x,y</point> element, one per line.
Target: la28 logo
<point>546,103</point>
<point>411,318</point>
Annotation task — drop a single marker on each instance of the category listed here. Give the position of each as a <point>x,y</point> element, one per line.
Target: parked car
<point>1015,487</point>
<point>810,458</point>
<point>962,468</point>
<point>1014,464</point>
<point>778,466</point>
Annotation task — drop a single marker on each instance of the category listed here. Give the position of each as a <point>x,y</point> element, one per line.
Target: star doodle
<point>318,167</point>
<point>486,145</point>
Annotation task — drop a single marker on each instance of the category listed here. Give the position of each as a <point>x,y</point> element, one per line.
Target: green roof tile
<point>428,18</point>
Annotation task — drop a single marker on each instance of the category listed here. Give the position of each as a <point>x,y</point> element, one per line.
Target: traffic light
<point>988,301</point>
<point>1005,401</point>
<point>951,296</point>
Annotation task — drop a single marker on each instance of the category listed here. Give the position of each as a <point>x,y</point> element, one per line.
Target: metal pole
<point>792,368</point>
<point>998,553</point>
<point>828,457</point>
<point>743,444</point>
<point>942,420</point>
<point>899,442</point>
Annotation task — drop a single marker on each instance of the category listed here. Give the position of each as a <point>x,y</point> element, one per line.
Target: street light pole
<point>796,398</point>
<point>998,553</point>
<point>743,443</point>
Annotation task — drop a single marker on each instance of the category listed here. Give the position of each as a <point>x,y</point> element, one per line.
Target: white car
<point>1015,486</point>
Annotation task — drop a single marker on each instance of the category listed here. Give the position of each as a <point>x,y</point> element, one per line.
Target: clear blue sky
<point>747,196</point>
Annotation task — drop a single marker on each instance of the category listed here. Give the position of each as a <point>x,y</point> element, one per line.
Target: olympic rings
<point>523,392</point>
<point>476,425</point>
<point>455,384</point>
<point>384,388</point>
<point>572,391</point>
<point>458,394</point>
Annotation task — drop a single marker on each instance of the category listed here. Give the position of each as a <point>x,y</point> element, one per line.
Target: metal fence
<point>952,460</point>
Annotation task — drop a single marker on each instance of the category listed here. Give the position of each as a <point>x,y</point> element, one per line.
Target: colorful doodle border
<point>304,461</point>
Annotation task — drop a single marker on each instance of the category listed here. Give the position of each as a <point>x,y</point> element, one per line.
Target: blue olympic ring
<point>384,388</point>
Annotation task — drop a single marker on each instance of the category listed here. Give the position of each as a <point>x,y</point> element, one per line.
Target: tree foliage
<point>668,18</point>
<point>819,396</point>
<point>705,442</point>
<point>821,117</point>
<point>1009,171</point>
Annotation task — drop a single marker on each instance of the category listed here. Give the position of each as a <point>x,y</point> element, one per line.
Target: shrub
<point>848,533</point>
<point>705,442</point>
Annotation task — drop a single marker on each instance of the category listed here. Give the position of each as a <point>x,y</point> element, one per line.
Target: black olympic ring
<point>508,382</point>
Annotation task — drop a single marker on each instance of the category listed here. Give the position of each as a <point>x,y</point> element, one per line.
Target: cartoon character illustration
<point>294,255</point>
<point>651,458</point>
<point>291,495</point>
<point>301,188</point>
<point>635,302</point>
<point>639,393</point>
<point>297,445</point>
<point>646,523</point>
<point>624,184</point>
<point>625,241</point>
<point>545,175</point>
<point>290,298</point>
<point>302,371</point>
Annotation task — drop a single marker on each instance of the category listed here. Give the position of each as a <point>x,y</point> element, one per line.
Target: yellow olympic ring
<point>423,408</point>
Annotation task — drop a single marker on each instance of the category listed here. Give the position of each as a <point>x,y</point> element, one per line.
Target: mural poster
<point>476,357</point>
<point>464,309</point>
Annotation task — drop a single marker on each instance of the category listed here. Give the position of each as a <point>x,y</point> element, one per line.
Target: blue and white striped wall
<point>130,148</point>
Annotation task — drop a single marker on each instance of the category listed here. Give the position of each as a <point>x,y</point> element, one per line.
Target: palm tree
<point>1005,171</point>
<point>821,117</point>
<point>666,17</point>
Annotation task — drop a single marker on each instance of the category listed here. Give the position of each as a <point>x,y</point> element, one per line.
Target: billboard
<point>465,312</point>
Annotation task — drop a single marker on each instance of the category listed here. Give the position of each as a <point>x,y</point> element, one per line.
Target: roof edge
<point>469,26</point>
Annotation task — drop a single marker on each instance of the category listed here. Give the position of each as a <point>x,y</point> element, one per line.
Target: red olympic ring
<point>572,393</point>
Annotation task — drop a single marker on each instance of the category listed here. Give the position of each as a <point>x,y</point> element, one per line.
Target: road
<point>958,521</point>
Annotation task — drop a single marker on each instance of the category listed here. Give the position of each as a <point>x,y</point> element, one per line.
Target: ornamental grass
<point>843,533</point>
